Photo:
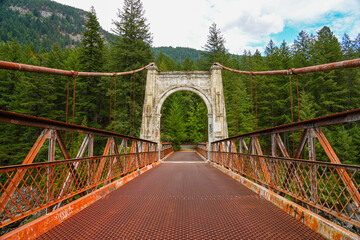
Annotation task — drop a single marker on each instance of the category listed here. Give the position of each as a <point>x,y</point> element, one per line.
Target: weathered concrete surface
<point>207,84</point>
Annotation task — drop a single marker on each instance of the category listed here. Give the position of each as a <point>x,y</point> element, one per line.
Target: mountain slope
<point>178,54</point>
<point>44,23</point>
<point>41,22</point>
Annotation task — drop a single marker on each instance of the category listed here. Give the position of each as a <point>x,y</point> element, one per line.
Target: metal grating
<point>182,201</point>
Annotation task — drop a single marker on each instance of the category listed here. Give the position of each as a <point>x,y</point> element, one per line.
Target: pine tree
<point>130,49</point>
<point>165,63</point>
<point>357,45</point>
<point>327,87</point>
<point>215,50</point>
<point>197,123</point>
<point>91,89</point>
<point>92,45</point>
<point>301,49</point>
<point>350,76</point>
<point>175,125</point>
<point>188,65</point>
<point>285,56</point>
<point>347,47</point>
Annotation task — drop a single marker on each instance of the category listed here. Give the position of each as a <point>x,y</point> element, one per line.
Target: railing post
<point>312,157</point>
<point>50,171</point>
<point>273,145</point>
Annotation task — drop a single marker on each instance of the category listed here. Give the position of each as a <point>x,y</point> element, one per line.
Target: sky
<point>245,24</point>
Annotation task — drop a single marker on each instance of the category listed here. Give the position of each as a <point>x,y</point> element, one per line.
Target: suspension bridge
<point>138,188</point>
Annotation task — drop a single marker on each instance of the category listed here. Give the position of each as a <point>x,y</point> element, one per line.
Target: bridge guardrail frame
<point>31,187</point>
<point>328,188</point>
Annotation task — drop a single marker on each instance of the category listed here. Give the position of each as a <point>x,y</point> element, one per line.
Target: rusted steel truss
<point>31,187</point>
<point>331,187</point>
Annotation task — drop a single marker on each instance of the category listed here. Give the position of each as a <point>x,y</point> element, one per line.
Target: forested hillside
<point>184,114</point>
<point>42,23</point>
<point>178,54</point>
<point>45,22</point>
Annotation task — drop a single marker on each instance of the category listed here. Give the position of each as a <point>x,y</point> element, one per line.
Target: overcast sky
<point>245,24</point>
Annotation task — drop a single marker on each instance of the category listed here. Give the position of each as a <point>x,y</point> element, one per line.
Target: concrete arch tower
<point>207,84</point>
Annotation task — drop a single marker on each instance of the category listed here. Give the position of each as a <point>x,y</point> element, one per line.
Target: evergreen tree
<point>130,49</point>
<point>188,65</point>
<point>357,45</point>
<point>92,45</point>
<point>91,58</point>
<point>175,125</point>
<point>301,50</point>
<point>165,63</point>
<point>197,123</point>
<point>350,76</point>
<point>327,88</point>
<point>215,50</point>
<point>347,47</point>
<point>285,56</point>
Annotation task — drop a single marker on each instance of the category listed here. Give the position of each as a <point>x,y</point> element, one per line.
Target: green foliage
<point>129,50</point>
<point>184,119</point>
<point>91,59</point>
<point>184,114</point>
<point>175,125</point>
<point>215,50</point>
<point>41,23</point>
<point>178,54</point>
<point>197,123</point>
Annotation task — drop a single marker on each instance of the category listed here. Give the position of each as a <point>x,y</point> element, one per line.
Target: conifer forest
<point>184,114</point>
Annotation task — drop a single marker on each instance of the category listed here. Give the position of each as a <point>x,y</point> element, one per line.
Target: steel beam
<point>53,71</point>
<point>318,68</point>
<point>333,119</point>
<point>27,120</point>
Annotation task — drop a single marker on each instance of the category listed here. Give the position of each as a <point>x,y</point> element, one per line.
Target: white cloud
<point>256,24</point>
<point>244,24</point>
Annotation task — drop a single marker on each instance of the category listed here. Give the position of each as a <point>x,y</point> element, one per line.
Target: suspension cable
<point>252,105</point>
<point>115,80</point>
<point>224,90</point>
<point>234,107</point>
<point>256,112</point>
<point>237,106</point>
<point>67,106</point>
<point>134,107</point>
<point>73,114</point>
<point>292,115</point>
<point>110,104</point>
<point>298,99</point>
<point>130,106</point>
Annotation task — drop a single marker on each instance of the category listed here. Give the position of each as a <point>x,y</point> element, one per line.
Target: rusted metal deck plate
<point>184,157</point>
<point>182,201</point>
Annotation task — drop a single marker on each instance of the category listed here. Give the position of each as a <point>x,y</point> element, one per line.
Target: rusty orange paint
<point>317,223</point>
<point>41,225</point>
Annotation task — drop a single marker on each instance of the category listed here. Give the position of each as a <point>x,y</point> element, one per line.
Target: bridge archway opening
<point>206,84</point>
<point>184,117</point>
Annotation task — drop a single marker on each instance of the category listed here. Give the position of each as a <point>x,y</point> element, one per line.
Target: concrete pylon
<point>207,84</point>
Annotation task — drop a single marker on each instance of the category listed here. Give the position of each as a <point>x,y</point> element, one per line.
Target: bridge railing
<point>301,180</point>
<point>202,148</point>
<point>45,185</point>
<point>327,188</point>
<point>28,188</point>
<point>166,149</point>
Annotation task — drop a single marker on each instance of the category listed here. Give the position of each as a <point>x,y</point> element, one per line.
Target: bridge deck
<point>182,199</point>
